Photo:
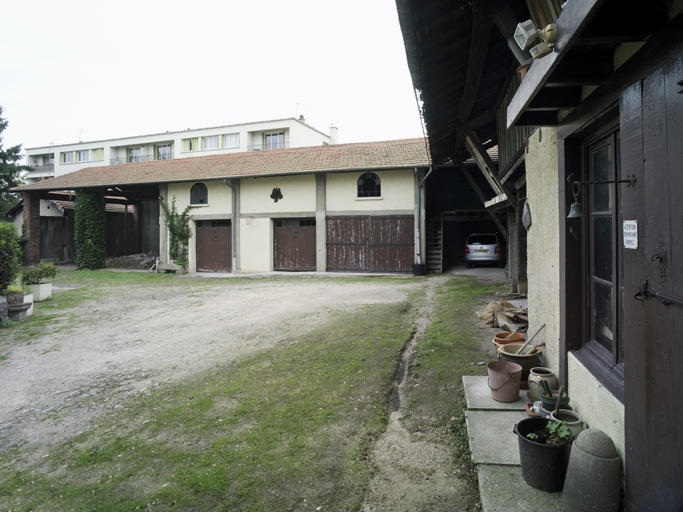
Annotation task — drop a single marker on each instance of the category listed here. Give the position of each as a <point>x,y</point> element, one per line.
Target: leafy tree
<point>10,171</point>
<point>10,254</point>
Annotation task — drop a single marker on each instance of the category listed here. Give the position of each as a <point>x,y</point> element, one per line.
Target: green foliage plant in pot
<point>544,448</point>
<point>14,294</point>
<point>33,278</point>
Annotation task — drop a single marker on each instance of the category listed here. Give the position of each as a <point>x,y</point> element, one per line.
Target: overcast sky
<point>91,70</point>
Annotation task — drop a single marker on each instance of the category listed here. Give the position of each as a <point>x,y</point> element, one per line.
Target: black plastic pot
<point>544,466</point>
<point>419,269</point>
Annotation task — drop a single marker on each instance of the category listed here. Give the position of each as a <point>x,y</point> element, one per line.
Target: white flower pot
<point>41,291</point>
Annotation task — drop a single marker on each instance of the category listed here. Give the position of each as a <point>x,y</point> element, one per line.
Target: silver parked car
<point>483,248</point>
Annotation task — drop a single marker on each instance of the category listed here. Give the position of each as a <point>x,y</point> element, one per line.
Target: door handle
<point>644,292</point>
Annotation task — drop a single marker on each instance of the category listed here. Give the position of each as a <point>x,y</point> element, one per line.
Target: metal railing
<point>49,168</point>
<point>264,147</point>
<point>138,158</point>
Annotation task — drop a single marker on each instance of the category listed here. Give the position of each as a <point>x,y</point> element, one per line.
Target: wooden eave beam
<point>574,18</point>
<point>482,198</point>
<point>488,168</point>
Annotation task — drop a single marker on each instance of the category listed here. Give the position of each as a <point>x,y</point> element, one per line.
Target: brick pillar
<point>32,220</point>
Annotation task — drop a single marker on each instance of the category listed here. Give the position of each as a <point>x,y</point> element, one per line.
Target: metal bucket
<point>504,380</point>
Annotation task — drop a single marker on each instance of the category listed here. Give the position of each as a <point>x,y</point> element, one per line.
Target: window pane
<point>603,170</point>
<point>83,156</point>
<point>164,152</point>
<point>210,142</point>
<point>602,247</point>
<point>602,322</point>
<point>231,141</point>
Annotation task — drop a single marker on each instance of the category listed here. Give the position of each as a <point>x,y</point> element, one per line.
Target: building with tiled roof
<point>342,207</point>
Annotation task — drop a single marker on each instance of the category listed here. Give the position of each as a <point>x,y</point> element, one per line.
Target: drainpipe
<point>233,229</point>
<point>419,213</point>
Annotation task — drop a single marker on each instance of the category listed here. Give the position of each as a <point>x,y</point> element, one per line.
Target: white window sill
<point>199,205</point>
<point>369,198</point>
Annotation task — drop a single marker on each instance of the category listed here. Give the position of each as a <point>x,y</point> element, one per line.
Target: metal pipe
<point>233,228</point>
<point>419,213</point>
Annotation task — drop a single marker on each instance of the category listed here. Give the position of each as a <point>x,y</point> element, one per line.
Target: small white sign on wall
<point>630,234</point>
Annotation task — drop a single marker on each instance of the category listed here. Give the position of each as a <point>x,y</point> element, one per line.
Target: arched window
<point>369,185</point>
<point>199,194</point>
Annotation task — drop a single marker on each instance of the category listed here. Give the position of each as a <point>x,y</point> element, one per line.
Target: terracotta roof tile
<point>394,154</point>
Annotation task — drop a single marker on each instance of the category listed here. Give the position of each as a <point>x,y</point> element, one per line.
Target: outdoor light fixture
<point>276,195</point>
<point>526,33</point>
<point>576,210</point>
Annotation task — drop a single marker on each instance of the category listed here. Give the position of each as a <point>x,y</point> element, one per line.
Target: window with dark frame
<point>369,185</point>
<point>603,257</point>
<point>199,194</point>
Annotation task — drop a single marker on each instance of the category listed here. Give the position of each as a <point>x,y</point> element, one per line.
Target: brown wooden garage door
<point>370,244</point>
<point>294,244</point>
<point>214,246</point>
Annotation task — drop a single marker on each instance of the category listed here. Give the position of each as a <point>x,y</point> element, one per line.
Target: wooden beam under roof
<point>488,168</point>
<point>483,200</point>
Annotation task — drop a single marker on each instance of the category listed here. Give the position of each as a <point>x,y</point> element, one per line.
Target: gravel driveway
<point>125,346</point>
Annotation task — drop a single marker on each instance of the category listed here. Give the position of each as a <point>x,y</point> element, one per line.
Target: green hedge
<point>89,227</point>
<point>10,254</point>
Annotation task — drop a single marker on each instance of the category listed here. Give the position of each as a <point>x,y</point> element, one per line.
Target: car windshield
<point>482,240</point>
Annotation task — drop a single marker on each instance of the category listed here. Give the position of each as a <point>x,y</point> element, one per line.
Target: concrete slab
<point>478,396</point>
<point>503,489</point>
<point>492,440</point>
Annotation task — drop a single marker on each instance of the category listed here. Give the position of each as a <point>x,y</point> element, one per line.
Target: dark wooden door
<point>370,244</point>
<point>347,243</point>
<point>294,246</point>
<point>652,150</point>
<point>391,244</point>
<point>214,246</point>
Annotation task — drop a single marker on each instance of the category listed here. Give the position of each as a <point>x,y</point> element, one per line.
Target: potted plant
<point>33,277</point>
<point>544,447</point>
<point>14,294</point>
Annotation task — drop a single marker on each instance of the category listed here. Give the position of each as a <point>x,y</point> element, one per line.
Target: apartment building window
<point>164,152</point>
<point>275,140</point>
<point>190,145</point>
<point>98,154</point>
<point>210,142</point>
<point>82,155</point>
<point>134,154</point>
<point>231,141</point>
<point>67,157</point>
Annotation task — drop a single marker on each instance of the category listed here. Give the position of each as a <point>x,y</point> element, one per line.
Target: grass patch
<point>452,347</point>
<point>288,428</point>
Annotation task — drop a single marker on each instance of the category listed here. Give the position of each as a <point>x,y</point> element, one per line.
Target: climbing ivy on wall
<point>89,229</point>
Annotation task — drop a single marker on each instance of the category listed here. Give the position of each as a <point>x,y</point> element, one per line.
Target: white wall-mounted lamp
<point>526,33</point>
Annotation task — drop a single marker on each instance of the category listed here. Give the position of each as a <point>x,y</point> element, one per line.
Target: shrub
<point>10,254</point>
<point>35,275</point>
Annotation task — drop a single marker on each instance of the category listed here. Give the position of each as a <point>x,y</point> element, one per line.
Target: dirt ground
<point>159,335</point>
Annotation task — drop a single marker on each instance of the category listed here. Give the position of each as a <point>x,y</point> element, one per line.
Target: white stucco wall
<point>598,408</point>
<point>256,244</point>
<point>543,242</point>
<point>219,198</point>
<point>398,192</point>
<point>298,195</point>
